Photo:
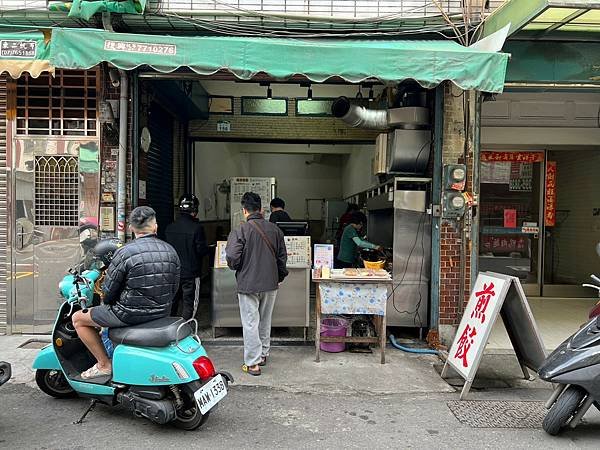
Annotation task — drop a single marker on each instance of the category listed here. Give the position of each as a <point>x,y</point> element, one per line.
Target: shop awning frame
<point>543,18</point>
<point>25,51</point>
<point>388,61</point>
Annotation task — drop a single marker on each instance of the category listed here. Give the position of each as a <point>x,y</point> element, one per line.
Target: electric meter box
<point>455,177</point>
<point>453,205</point>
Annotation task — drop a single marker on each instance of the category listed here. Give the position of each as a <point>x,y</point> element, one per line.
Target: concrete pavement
<point>346,401</point>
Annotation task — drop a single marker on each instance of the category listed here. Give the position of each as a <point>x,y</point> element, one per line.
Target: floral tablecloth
<point>353,298</point>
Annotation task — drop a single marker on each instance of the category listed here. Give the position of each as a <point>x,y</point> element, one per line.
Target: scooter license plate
<point>211,393</point>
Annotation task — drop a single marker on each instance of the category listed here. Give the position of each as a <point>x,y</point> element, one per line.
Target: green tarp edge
<point>427,62</point>
<point>83,9</point>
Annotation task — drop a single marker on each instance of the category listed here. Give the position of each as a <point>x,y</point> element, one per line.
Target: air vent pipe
<point>359,116</point>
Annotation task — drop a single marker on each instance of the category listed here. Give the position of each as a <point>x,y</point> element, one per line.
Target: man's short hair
<point>251,202</point>
<point>277,203</point>
<point>142,218</point>
<point>358,218</point>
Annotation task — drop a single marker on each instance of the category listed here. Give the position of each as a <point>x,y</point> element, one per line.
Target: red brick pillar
<point>456,236</point>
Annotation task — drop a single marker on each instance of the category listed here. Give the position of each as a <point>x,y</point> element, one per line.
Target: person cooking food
<point>351,242</point>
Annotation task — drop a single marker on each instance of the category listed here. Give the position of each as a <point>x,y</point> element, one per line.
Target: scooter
<point>575,367</point>
<point>160,368</point>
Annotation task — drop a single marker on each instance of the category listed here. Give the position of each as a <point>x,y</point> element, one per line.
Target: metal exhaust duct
<point>359,116</point>
<point>407,117</point>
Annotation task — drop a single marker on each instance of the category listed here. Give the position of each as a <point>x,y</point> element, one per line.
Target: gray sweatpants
<point>256,311</point>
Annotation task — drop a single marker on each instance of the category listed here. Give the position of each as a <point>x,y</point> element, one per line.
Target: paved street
<point>268,418</point>
<point>346,401</point>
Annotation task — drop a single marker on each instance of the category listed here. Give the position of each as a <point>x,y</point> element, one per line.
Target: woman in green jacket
<point>351,242</point>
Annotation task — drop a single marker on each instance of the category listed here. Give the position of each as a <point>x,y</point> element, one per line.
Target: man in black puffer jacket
<point>139,286</point>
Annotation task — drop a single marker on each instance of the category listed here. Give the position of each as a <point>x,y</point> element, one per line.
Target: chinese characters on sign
<point>17,49</point>
<point>140,47</point>
<point>475,326</point>
<point>464,344</point>
<point>550,210</point>
<point>483,300</point>
<point>494,293</point>
<point>504,244</point>
<point>523,157</point>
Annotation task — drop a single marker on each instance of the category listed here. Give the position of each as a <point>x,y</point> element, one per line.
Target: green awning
<point>25,52</point>
<point>427,62</point>
<point>541,18</point>
<point>551,62</point>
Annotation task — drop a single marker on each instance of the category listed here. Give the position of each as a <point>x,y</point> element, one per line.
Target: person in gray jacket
<point>256,251</point>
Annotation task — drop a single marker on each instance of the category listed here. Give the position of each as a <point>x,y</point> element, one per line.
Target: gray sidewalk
<point>293,369</point>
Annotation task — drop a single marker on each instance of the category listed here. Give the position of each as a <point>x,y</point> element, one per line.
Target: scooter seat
<point>157,333</point>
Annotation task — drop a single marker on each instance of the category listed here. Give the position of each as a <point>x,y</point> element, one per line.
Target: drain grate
<point>499,414</point>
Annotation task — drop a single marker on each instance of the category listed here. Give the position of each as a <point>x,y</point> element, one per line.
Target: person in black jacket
<point>139,286</point>
<point>278,213</point>
<point>257,253</point>
<point>186,235</point>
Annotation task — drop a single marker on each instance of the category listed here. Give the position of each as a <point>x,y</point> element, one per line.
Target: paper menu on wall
<point>323,255</point>
<point>239,186</point>
<point>220,256</point>
<point>298,251</point>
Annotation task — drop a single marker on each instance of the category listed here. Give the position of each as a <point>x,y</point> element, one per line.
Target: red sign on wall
<point>510,218</point>
<point>550,210</point>
<point>524,157</point>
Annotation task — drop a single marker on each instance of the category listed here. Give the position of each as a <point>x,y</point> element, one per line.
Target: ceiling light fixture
<point>359,93</point>
<point>309,95</point>
<point>371,97</point>
<point>269,92</point>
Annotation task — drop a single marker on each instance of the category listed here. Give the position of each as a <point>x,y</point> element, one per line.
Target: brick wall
<point>290,127</point>
<point>454,231</point>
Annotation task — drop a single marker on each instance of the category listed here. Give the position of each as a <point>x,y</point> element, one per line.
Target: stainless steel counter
<point>291,306</point>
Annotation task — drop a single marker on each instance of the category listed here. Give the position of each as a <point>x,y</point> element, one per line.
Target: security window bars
<point>64,105</point>
<point>56,191</point>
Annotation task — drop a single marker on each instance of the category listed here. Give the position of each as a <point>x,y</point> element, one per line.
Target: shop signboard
<point>550,208</point>
<point>494,294</point>
<point>522,157</point>
<point>14,48</point>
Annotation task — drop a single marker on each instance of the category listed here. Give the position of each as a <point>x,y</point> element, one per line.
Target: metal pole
<point>436,199</point>
<point>122,164</point>
<point>476,181</point>
<point>135,157</point>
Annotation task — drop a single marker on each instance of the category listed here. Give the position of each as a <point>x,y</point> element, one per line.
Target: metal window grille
<point>57,191</point>
<point>332,8</point>
<point>64,105</point>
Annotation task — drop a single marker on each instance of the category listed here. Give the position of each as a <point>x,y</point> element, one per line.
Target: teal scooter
<point>160,369</point>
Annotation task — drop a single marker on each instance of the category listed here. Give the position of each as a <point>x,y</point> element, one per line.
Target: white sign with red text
<point>480,314</point>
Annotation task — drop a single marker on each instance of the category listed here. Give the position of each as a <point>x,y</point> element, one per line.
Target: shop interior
<point>283,135</point>
<point>538,222</point>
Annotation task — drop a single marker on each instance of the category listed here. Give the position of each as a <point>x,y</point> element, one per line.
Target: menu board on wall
<point>521,177</point>
<point>495,172</point>
<point>241,185</point>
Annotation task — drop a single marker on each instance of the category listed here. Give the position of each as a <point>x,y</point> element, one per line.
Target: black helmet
<point>104,251</point>
<point>189,203</point>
